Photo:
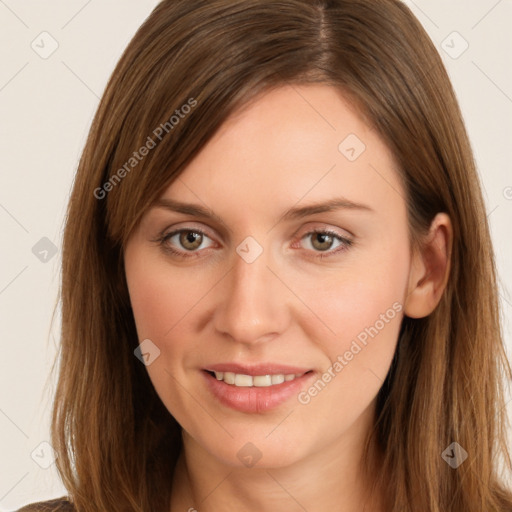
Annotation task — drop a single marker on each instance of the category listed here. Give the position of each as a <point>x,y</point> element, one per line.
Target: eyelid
<point>325,228</point>
<point>186,226</point>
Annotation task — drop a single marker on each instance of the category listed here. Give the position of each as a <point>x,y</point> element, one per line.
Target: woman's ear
<point>430,269</point>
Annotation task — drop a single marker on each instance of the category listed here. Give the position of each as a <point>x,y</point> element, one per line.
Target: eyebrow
<point>294,213</point>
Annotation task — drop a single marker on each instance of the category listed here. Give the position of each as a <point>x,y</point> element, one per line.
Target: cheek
<point>161,297</point>
<point>362,308</point>
<point>152,301</point>
<point>368,292</point>
<point>163,304</point>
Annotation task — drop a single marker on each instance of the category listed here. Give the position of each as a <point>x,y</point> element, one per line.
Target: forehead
<point>292,144</point>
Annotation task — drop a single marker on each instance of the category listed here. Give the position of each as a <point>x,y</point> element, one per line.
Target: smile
<point>255,389</point>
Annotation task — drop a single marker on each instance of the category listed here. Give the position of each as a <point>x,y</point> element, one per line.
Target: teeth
<point>229,378</point>
<point>259,381</point>
<point>278,379</point>
<point>244,381</point>
<point>263,381</point>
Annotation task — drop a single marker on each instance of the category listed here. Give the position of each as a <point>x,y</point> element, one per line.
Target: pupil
<point>323,238</point>
<point>190,240</point>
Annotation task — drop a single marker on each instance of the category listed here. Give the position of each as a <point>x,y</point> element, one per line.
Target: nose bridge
<point>252,306</point>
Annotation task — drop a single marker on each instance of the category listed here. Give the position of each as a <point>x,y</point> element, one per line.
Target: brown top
<point>55,505</point>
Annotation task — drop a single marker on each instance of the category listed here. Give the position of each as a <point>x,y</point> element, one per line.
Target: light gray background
<point>46,107</point>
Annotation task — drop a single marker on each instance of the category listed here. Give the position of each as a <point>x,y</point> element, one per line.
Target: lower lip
<point>255,399</point>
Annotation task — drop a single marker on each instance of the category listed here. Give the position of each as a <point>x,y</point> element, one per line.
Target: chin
<point>256,448</point>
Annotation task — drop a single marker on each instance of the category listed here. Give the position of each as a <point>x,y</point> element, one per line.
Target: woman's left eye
<point>191,240</point>
<point>322,241</point>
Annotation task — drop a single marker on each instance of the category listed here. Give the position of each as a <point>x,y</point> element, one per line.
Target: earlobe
<point>430,269</point>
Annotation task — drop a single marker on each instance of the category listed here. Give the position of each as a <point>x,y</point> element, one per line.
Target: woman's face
<point>301,327</point>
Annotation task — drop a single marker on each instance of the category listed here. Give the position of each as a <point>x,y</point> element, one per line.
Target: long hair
<point>117,444</point>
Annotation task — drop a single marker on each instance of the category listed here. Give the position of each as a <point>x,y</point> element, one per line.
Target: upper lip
<point>257,369</point>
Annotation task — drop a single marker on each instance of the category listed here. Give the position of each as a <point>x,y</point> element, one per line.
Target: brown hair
<point>117,443</point>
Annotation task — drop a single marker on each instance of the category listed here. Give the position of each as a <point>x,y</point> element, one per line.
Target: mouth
<point>255,389</point>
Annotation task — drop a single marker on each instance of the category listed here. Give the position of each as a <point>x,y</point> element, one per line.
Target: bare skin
<point>287,306</point>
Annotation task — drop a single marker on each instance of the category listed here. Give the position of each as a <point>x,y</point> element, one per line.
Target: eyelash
<point>162,240</point>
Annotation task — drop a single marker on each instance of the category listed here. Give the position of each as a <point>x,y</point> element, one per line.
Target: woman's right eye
<point>189,240</point>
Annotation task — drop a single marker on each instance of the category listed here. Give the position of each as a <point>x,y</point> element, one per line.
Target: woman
<point>278,285</point>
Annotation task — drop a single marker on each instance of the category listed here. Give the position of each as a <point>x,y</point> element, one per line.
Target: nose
<point>252,306</point>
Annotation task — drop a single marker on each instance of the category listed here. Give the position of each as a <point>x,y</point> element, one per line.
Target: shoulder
<point>55,505</point>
